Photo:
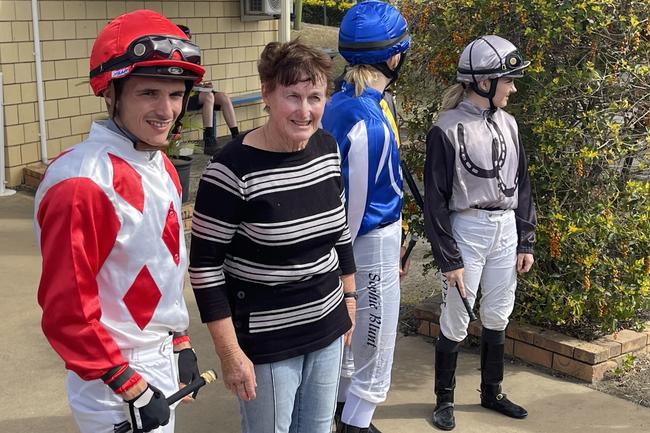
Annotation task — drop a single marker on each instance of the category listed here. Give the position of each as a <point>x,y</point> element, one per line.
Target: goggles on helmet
<point>490,57</point>
<point>152,48</point>
<point>511,64</point>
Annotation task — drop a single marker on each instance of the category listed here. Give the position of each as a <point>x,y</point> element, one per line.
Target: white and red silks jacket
<point>108,220</point>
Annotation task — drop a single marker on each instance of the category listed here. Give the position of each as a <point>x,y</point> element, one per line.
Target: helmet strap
<point>391,74</point>
<point>176,129</point>
<point>489,94</point>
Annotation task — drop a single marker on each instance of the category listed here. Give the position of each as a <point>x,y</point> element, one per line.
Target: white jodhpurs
<point>487,241</point>
<point>97,409</point>
<point>376,255</point>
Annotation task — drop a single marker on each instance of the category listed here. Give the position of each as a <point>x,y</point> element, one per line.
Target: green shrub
<point>312,11</point>
<point>584,117</point>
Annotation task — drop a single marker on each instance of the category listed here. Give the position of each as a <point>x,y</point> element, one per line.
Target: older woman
<point>271,261</point>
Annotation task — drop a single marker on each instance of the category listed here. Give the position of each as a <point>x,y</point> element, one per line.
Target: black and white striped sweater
<point>269,242</point>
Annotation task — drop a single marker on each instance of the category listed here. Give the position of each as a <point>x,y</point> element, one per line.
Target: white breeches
<point>377,279</point>
<point>487,241</point>
<point>97,409</point>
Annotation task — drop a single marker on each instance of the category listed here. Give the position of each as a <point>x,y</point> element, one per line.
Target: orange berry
<point>555,244</point>
<point>636,40</point>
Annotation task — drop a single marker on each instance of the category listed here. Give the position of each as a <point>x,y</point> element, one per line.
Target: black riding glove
<point>149,410</point>
<point>188,369</point>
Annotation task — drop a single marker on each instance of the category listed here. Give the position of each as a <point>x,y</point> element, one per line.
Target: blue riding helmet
<point>372,32</point>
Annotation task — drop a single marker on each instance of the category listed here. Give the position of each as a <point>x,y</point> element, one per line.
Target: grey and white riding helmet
<point>489,57</point>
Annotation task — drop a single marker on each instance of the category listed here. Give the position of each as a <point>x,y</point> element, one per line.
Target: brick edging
<point>587,361</point>
<point>33,175</point>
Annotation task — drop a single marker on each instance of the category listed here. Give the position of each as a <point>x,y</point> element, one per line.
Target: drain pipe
<point>39,82</point>
<point>4,192</point>
<point>284,26</point>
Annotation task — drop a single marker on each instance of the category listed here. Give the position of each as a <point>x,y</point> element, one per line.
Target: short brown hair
<point>292,62</point>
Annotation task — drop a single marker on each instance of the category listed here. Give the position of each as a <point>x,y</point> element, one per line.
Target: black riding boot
<point>345,428</point>
<point>444,383</point>
<point>492,347</point>
<point>340,426</point>
<point>337,415</point>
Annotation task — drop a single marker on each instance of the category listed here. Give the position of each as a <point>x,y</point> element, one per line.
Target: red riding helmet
<point>146,43</point>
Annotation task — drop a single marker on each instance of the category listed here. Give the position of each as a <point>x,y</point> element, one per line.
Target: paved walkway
<point>33,397</point>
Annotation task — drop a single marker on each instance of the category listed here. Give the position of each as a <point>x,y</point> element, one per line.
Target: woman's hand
<point>524,262</point>
<point>237,370</point>
<point>349,286</point>
<point>455,279</point>
<point>238,374</point>
<point>403,270</point>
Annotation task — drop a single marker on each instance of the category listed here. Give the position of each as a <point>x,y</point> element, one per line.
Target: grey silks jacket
<point>475,160</point>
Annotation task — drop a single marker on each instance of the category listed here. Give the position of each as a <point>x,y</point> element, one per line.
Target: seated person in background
<point>209,100</point>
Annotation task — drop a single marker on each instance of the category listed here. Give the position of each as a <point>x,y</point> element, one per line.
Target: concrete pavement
<point>33,396</point>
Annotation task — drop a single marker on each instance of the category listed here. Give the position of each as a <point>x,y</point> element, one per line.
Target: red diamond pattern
<point>127,182</point>
<point>170,234</point>
<point>142,298</point>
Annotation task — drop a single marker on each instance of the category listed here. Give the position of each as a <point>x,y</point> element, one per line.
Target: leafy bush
<point>312,11</point>
<point>584,117</point>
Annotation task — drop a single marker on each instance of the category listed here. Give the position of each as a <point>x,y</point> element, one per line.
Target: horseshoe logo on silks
<point>499,153</point>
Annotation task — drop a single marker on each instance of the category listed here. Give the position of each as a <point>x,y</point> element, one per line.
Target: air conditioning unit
<point>261,9</point>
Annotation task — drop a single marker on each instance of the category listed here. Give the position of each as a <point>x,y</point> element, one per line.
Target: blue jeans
<point>297,395</point>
